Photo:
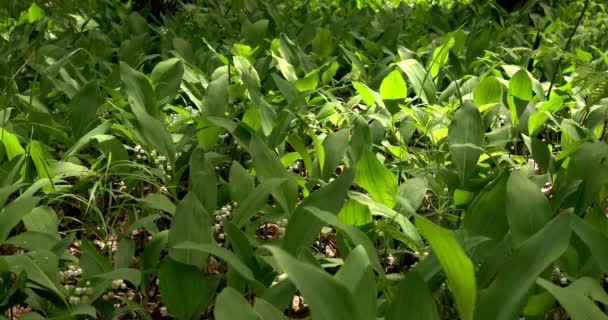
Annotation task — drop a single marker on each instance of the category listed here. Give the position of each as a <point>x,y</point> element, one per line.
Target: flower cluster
<point>70,274</point>
<point>294,166</point>
<point>225,213</point>
<point>559,276</point>
<point>81,294</point>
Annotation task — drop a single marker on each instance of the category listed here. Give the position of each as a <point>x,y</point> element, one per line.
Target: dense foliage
<point>253,159</point>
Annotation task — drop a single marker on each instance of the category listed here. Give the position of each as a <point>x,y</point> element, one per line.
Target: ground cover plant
<point>252,159</point>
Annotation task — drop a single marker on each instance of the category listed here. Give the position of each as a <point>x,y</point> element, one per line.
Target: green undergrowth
<point>252,159</point>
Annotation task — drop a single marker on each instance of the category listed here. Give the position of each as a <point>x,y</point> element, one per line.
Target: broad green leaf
<point>393,86</point>
<point>40,162</point>
<point>589,163</point>
<point>594,240</point>
<point>456,265</point>
<point>528,210</point>
<point>322,44</point>
<point>326,296</point>
<point>35,13</point>
<point>366,93</point>
<point>520,85</point>
<point>139,91</point>
<point>355,235</point>
<point>124,253</point>
<point>221,253</point>
<point>11,144</point>
<point>520,271</point>
<point>179,284</point>
<point>159,202</point>
<point>374,177</point>
<point>83,109</point>
<point>267,311</point>
<point>421,81</point>
<point>202,180</point>
<point>255,201</point>
<point>191,222</point>
<point>268,166</point>
<point>216,96</point>
<point>487,92</point>
<point>231,304</point>
<point>358,277</point>
<point>575,300</point>
<point>151,254</point>
<point>99,130</point>
<point>304,227</point>
<point>465,138</point>
<point>167,78</point>
<point>12,214</point>
<point>42,219</point>
<point>410,196</point>
<point>412,300</point>
<point>241,182</point>
<point>41,268</point>
<point>440,56</point>
<point>541,115</point>
<point>355,214</point>
<point>486,215</point>
<point>334,145</point>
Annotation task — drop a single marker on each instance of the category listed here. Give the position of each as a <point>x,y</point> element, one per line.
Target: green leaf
<point>83,109</point>
<point>241,182</point>
<point>12,214</point>
<point>520,85</point>
<point>231,304</point>
<point>393,86</point>
<point>303,227</point>
<point>422,82</point>
<point>202,180</point>
<point>322,43</point>
<point>255,201</point>
<point>41,268</point>
<point>575,300</point>
<point>440,56</point>
<point>541,114</point>
<point>465,138</point>
<point>594,240</point>
<point>35,13</point>
<point>216,96</point>
<point>456,265</point>
<point>486,215</point>
<point>355,214</point>
<point>97,131</point>
<point>139,91</point>
<point>520,271</point>
<point>356,236</point>
<point>42,219</point>
<point>326,296</point>
<point>167,78</point>
<point>179,284</point>
<point>487,92</point>
<point>335,145</point>
<point>221,253</point>
<point>410,196</point>
<point>367,94</point>
<point>528,209</point>
<point>190,223</point>
<point>124,253</point>
<point>589,163</point>
<point>159,202</point>
<point>268,166</point>
<point>11,144</point>
<point>358,277</point>
<point>374,177</point>
<point>412,300</point>
<point>267,311</point>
